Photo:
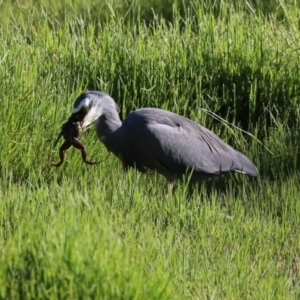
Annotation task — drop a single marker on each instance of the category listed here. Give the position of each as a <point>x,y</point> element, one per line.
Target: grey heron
<point>159,140</point>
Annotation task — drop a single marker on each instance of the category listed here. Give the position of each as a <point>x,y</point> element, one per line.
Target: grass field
<point>82,232</point>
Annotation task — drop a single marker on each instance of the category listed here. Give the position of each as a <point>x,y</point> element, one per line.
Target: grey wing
<point>178,143</point>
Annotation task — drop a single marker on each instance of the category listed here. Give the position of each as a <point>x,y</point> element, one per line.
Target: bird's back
<point>170,144</point>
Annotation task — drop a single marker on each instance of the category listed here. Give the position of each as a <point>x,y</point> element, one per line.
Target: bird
<point>159,140</point>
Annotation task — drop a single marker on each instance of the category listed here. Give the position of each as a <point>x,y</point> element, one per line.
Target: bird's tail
<point>246,166</point>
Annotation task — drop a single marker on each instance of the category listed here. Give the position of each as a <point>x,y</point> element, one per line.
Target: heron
<point>159,140</point>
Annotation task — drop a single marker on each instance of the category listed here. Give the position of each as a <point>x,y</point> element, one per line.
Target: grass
<point>82,232</point>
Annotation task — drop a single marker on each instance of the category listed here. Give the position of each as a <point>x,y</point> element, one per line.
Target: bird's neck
<point>107,128</point>
<point>108,124</point>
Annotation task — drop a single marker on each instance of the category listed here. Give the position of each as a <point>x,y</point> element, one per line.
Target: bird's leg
<point>79,145</point>
<point>65,146</point>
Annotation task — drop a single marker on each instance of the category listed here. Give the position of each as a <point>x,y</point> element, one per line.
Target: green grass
<point>94,232</point>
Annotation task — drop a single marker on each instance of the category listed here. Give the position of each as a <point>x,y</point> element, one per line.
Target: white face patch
<point>91,116</point>
<point>85,102</point>
<point>88,108</point>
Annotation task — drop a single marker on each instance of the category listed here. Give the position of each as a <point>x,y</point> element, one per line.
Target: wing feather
<point>177,143</point>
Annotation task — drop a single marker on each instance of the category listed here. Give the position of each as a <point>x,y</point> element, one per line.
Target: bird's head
<point>85,110</point>
<point>89,106</point>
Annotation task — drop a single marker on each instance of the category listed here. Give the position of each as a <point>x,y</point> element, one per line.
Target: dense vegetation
<point>96,232</point>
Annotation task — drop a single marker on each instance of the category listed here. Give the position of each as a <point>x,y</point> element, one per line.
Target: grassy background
<point>95,232</point>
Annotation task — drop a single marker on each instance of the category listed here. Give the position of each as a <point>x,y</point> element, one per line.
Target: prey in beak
<point>71,131</point>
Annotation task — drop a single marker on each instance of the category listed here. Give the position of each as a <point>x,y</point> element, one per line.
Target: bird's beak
<point>79,116</point>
